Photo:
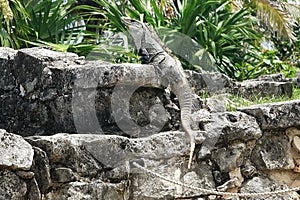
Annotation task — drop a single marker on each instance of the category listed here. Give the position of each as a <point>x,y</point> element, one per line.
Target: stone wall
<point>60,135</point>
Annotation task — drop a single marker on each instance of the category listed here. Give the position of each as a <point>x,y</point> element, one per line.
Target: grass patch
<point>235,101</point>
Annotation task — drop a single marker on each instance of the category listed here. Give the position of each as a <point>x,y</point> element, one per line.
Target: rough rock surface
<point>111,160</point>
<point>263,184</point>
<point>42,92</point>
<point>53,92</point>
<point>275,116</point>
<point>7,81</point>
<point>15,152</point>
<point>212,83</point>
<point>256,88</point>
<point>273,151</point>
<point>11,186</point>
<point>95,166</point>
<point>223,128</point>
<point>90,190</point>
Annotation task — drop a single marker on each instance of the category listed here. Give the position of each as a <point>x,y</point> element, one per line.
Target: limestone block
<point>90,190</point>
<point>253,89</point>
<point>273,116</point>
<point>11,185</point>
<point>15,152</point>
<point>273,151</point>
<point>261,184</point>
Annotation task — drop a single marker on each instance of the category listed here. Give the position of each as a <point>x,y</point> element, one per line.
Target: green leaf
<point>158,13</point>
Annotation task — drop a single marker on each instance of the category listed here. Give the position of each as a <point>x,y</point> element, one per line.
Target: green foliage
<point>52,21</point>
<point>107,19</point>
<point>150,10</point>
<point>295,52</point>
<point>228,35</point>
<point>109,50</point>
<point>111,10</point>
<point>264,62</point>
<point>12,29</point>
<point>225,34</point>
<point>276,17</point>
<point>56,25</point>
<point>44,23</point>
<point>5,10</point>
<point>245,70</point>
<point>270,63</point>
<point>205,35</point>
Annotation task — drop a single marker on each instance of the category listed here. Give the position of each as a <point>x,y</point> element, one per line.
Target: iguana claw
<point>194,140</point>
<point>191,154</point>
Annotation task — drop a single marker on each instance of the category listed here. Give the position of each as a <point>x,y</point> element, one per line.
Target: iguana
<point>152,51</point>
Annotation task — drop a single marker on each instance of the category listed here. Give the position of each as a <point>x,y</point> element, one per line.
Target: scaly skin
<point>147,41</point>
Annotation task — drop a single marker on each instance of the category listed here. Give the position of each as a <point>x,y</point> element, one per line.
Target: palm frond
<point>275,17</point>
<point>294,10</point>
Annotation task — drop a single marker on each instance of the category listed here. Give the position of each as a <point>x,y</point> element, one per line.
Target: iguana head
<point>132,23</point>
<point>136,29</point>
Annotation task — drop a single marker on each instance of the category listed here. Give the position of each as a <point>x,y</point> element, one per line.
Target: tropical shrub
<point>43,23</point>
<point>205,35</point>
<point>213,26</point>
<point>271,63</point>
<point>228,35</point>
<point>14,19</point>
<point>55,24</point>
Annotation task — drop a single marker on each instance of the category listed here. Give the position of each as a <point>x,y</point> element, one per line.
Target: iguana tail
<point>186,97</point>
